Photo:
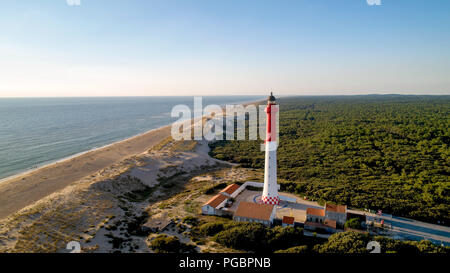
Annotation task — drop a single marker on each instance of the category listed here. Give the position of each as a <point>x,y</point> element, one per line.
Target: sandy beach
<point>40,182</point>
<point>23,190</point>
<point>100,198</point>
<point>106,211</point>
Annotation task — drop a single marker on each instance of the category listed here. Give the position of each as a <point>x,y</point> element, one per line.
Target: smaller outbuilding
<point>288,221</point>
<point>328,219</point>
<point>315,215</point>
<point>336,213</point>
<point>213,206</point>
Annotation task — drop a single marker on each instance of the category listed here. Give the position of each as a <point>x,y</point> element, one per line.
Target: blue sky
<point>220,47</point>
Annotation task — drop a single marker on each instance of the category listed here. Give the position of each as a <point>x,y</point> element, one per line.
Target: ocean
<point>38,131</point>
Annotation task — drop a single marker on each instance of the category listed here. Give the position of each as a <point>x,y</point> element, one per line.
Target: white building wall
<point>272,216</point>
<point>253,184</point>
<point>315,218</point>
<point>251,220</point>
<point>340,218</point>
<point>208,210</point>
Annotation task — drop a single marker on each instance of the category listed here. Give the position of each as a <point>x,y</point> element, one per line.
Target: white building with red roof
<point>214,204</point>
<point>330,218</point>
<point>255,213</point>
<point>336,213</point>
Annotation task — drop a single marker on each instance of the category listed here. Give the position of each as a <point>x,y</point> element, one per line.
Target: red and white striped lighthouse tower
<point>270,191</point>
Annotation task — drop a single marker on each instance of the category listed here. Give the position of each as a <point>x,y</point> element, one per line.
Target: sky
<point>223,47</point>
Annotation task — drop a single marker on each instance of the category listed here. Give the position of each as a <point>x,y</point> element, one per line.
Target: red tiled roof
<point>254,211</point>
<point>230,188</point>
<point>336,208</point>
<point>288,220</point>
<point>216,200</point>
<point>316,212</point>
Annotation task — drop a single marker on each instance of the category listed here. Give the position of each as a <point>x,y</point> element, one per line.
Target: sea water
<point>38,131</point>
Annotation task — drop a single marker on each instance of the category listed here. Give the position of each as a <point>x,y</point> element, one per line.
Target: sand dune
<point>23,190</point>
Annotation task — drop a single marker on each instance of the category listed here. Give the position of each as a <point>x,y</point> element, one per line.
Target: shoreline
<point>25,188</point>
<point>61,160</point>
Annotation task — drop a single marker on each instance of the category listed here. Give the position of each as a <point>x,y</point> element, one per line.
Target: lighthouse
<point>270,191</point>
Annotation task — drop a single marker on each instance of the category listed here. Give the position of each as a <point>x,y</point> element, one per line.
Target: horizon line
<point>244,95</point>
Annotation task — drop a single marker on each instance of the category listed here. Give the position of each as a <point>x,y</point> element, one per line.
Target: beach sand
<point>23,190</point>
<point>105,211</point>
<point>103,198</point>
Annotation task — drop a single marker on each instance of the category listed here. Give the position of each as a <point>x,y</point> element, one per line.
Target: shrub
<point>170,244</point>
<point>389,245</point>
<point>353,223</point>
<point>285,237</point>
<point>190,220</point>
<point>166,244</point>
<point>246,236</point>
<point>134,226</point>
<point>295,249</point>
<point>210,229</point>
<point>344,242</point>
<point>181,227</point>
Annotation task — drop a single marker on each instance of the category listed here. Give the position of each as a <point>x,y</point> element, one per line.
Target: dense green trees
<point>353,223</point>
<point>405,247</point>
<point>354,242</point>
<point>285,237</point>
<point>210,229</point>
<point>344,242</point>
<point>378,152</point>
<point>295,249</point>
<point>190,220</point>
<point>247,236</point>
<point>258,238</point>
<point>254,236</point>
<point>165,244</point>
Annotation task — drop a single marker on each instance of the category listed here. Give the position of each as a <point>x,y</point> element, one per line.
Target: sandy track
<point>23,190</point>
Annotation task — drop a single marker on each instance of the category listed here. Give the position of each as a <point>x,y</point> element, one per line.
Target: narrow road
<point>408,229</point>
